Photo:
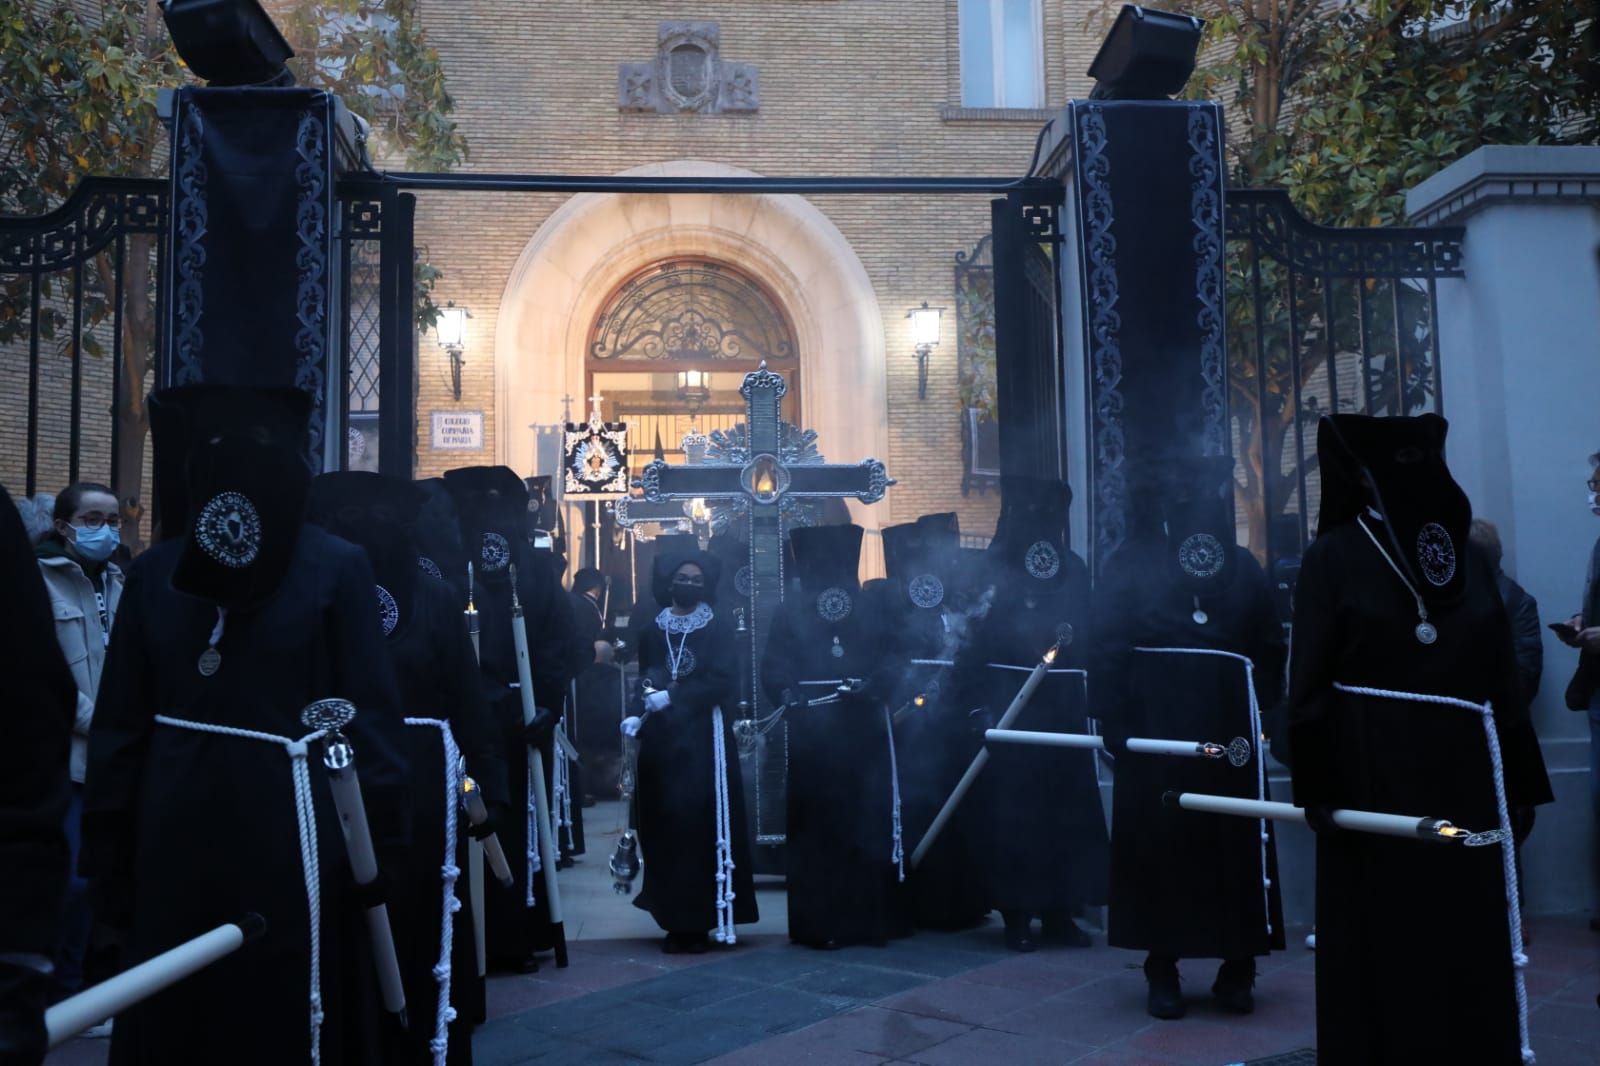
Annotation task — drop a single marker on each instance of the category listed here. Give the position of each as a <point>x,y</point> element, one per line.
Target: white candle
<point>1394,825</point>
<point>113,996</point>
<point>477,814</point>
<point>339,758</point>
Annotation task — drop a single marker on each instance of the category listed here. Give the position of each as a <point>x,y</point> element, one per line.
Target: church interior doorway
<point>666,354</point>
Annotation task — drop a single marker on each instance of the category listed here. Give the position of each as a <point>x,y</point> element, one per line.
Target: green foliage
<point>1349,105</point>
<point>78,98</point>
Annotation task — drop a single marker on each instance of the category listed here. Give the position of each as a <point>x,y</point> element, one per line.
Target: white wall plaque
<point>460,431</point>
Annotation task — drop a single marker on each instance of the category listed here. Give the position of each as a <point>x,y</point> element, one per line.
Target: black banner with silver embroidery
<point>251,273</point>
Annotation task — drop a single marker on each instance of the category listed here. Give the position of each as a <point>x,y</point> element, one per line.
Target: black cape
<point>185,830</point>
<point>676,790</point>
<point>1038,817</point>
<point>840,829</point>
<point>438,679</point>
<point>1407,933</point>
<point>1182,885</point>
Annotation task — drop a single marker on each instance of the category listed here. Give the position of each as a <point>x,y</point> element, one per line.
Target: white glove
<point>630,725</point>
<point>658,700</point>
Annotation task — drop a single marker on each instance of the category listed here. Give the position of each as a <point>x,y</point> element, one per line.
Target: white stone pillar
<point>1520,364</point>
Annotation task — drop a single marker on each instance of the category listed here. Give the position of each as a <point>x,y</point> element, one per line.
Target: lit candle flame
<point>765,483</point>
<point>920,700</point>
<point>698,509</point>
<point>468,784</point>
<point>1050,656</point>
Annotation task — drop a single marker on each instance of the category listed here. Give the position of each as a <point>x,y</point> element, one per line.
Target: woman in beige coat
<point>84,587</point>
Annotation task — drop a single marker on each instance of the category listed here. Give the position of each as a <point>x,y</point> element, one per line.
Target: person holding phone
<point>1582,631</point>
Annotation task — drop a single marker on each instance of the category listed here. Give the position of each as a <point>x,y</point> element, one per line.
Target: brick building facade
<point>839,87</point>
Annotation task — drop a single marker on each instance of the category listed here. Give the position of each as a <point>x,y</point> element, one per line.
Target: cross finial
<point>566,408</point>
<point>594,407</point>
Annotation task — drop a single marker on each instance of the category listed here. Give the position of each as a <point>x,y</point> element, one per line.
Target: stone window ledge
<point>952,113</point>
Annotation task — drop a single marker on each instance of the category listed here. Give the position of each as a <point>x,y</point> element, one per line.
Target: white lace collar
<point>698,618</point>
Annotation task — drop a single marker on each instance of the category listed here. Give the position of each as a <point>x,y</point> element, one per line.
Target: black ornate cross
<point>767,476</point>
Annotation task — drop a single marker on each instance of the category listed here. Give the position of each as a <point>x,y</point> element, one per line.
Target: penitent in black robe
<point>1413,943</point>
<point>516,930</point>
<point>935,742</point>
<point>1038,814</point>
<point>676,791</point>
<point>1186,886</point>
<point>842,874</point>
<point>438,679</point>
<point>187,830</point>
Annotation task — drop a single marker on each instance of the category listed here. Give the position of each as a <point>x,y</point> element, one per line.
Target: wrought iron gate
<point>81,308</point>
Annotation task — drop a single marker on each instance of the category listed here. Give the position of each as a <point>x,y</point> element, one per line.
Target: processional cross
<point>764,477</point>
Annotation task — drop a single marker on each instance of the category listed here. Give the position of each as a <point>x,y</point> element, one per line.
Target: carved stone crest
<point>688,75</point>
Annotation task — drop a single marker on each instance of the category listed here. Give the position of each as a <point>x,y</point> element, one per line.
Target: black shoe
<point>530,964</point>
<point>1166,993</point>
<point>1232,989</point>
<point>697,943</point>
<point>1019,932</point>
<point>1064,932</point>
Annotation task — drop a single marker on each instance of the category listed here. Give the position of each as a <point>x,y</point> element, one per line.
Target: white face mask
<point>1594,503</point>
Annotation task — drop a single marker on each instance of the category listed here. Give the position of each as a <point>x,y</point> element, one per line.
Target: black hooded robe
<point>1184,886</point>
<point>842,876</point>
<point>516,930</point>
<point>438,679</point>
<point>1413,943</point>
<point>187,830</point>
<point>1037,815</point>
<point>676,786</point>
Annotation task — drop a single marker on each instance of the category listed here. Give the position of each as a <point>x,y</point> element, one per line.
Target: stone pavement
<point>937,999</point>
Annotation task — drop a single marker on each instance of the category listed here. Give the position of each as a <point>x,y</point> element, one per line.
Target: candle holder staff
<point>201,800</point>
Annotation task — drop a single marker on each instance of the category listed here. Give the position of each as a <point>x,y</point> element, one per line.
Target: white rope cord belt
<point>563,791</point>
<point>725,933</point>
<point>306,821</point>
<point>1255,744</point>
<point>1508,852</point>
<point>439,1045</point>
<point>897,851</point>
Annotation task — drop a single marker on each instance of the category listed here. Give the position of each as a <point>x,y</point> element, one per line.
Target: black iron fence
<point>1320,320</point>
<point>80,322</point>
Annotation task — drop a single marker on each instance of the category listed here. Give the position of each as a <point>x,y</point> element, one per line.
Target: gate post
<point>251,274</point>
<point>1518,337</point>
<point>1143,290</point>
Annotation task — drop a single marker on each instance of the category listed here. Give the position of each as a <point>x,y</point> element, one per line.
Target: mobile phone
<point>1565,630</point>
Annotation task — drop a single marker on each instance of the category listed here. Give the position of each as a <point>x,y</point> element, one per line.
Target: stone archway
<point>595,240</point>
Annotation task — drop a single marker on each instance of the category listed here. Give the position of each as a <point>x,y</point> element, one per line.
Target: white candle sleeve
<point>1409,826</point>
<point>353,820</point>
<point>113,996</point>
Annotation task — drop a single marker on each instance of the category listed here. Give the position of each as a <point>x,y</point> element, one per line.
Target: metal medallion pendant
<point>210,662</point>
<point>1426,633</point>
<point>838,649</point>
<point>1200,617</point>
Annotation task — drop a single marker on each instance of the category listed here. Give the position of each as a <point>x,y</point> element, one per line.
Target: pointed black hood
<point>377,513</point>
<point>242,453</point>
<point>493,504</point>
<point>1396,467</point>
<point>1030,539</point>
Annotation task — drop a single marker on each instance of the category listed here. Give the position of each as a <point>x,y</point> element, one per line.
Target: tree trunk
<point>138,357</point>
